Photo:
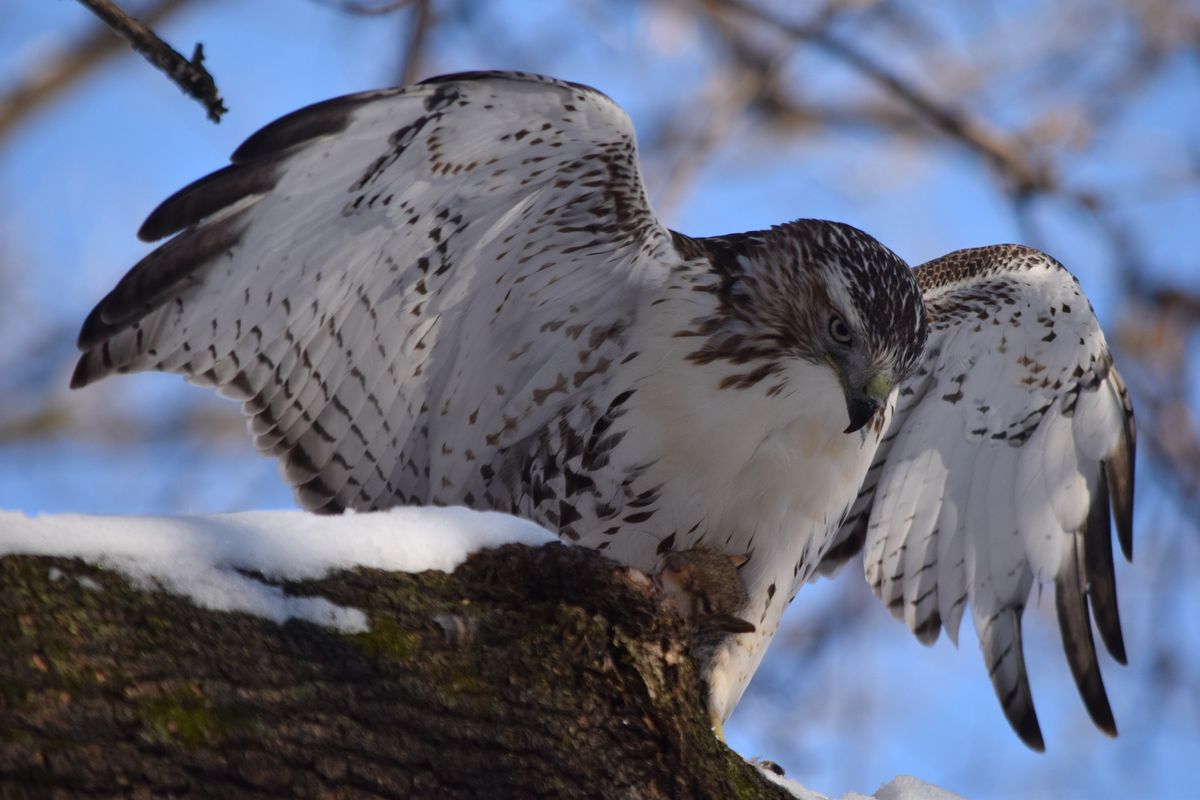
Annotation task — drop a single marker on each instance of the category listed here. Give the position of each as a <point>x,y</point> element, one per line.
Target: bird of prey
<point>456,293</point>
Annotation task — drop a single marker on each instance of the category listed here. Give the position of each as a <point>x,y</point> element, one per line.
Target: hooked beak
<point>861,404</point>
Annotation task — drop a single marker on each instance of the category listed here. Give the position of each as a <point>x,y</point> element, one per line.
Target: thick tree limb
<point>190,76</point>
<point>548,672</point>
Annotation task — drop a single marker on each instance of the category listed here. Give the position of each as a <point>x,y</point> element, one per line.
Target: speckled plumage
<point>456,293</point>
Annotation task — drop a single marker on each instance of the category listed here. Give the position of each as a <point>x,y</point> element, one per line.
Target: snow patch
<point>199,556</point>
<point>902,787</point>
<point>789,785</point>
<point>906,787</point>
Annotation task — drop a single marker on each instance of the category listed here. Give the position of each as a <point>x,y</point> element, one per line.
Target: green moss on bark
<point>528,672</point>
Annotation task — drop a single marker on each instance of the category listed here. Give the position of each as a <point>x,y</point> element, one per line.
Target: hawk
<point>456,293</point>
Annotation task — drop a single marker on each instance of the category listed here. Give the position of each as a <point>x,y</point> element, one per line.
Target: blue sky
<point>77,178</point>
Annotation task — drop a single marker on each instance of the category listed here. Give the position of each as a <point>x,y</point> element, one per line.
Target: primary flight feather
<point>456,293</point>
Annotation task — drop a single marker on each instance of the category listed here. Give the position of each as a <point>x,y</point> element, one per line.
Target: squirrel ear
<point>737,559</point>
<point>731,624</point>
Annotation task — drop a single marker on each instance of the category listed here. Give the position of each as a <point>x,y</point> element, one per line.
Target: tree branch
<point>420,23</point>
<point>190,76</point>
<point>1026,176</point>
<point>366,9</point>
<point>528,672</point>
<point>57,75</point>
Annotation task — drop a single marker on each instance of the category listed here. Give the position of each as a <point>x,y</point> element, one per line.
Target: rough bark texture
<point>546,672</point>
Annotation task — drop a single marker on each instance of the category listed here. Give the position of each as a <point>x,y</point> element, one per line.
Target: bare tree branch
<point>190,76</point>
<point>529,672</point>
<point>367,9</point>
<point>420,23</point>
<point>1027,176</point>
<point>725,101</point>
<point>51,79</point>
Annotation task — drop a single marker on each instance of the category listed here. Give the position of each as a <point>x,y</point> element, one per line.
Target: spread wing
<point>392,282</point>
<point>1005,454</point>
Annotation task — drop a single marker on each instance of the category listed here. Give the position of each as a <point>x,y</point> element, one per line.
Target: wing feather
<point>921,594</point>
<point>1098,570</point>
<point>1041,478</point>
<point>1119,466</point>
<point>952,544</point>
<point>1001,463</point>
<point>1071,601</point>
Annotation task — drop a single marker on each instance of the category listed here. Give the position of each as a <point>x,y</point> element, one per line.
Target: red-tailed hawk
<point>456,293</point>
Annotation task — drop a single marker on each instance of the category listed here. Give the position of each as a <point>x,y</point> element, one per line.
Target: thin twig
<point>52,77</point>
<point>190,76</point>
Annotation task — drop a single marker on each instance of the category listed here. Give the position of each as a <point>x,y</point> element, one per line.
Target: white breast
<point>741,471</point>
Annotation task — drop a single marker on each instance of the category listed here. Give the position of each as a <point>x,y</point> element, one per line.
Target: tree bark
<point>548,672</point>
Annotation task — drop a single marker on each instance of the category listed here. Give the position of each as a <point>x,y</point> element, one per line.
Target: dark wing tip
<point>1029,731</point>
<point>1071,601</point>
<point>1019,711</point>
<point>928,630</point>
<point>254,164</point>
<point>509,75</point>
<point>158,277</point>
<point>1098,570</point>
<point>210,194</point>
<point>311,122</point>
<point>1005,658</point>
<point>94,329</point>
<point>1023,719</point>
<point>482,75</point>
<point>83,373</point>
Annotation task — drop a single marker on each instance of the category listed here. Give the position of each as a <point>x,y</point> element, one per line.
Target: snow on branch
<point>207,558</point>
<point>515,672</point>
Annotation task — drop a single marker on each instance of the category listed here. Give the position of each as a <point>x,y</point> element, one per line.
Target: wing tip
<point>305,124</point>
<point>82,375</point>
<point>228,188</point>
<point>1101,582</point>
<point>1071,601</point>
<point>94,329</point>
<point>1116,649</point>
<point>928,630</point>
<point>1004,654</point>
<point>509,75</point>
<point>1022,717</point>
<point>153,228</point>
<point>1032,735</point>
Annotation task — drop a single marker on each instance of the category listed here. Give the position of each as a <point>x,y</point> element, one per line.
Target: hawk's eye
<point>839,330</point>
